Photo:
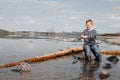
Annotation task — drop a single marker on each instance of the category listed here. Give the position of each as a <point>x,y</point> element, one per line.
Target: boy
<point>89,36</point>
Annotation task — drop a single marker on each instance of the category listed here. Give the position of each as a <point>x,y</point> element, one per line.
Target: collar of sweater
<point>90,29</point>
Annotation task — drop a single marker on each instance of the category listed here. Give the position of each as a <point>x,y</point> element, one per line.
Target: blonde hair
<point>89,20</point>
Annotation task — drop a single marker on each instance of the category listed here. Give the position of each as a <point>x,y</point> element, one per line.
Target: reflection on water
<point>12,50</point>
<point>24,74</point>
<point>88,69</point>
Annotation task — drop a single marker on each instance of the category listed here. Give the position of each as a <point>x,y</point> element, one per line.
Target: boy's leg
<point>96,52</point>
<point>87,51</point>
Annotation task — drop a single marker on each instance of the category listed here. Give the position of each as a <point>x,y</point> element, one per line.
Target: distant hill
<point>3,32</point>
<point>111,34</point>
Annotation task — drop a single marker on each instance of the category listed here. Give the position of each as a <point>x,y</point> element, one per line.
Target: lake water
<point>12,50</point>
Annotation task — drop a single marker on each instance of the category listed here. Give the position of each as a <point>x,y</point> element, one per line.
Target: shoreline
<point>21,37</point>
<point>110,39</point>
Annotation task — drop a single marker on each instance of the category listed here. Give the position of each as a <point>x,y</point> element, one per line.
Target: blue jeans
<point>94,48</point>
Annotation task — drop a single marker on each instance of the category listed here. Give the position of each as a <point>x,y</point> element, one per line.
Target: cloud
<point>28,19</point>
<point>116,8</point>
<point>112,0</point>
<point>107,22</point>
<point>74,18</point>
<point>36,6</point>
<point>52,3</point>
<point>18,1</point>
<point>45,2</point>
<point>10,1</point>
<point>117,25</point>
<point>31,21</point>
<point>55,15</point>
<point>110,16</point>
<point>1,18</point>
<point>113,16</point>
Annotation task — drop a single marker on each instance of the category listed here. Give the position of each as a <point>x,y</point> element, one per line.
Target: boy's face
<point>89,25</point>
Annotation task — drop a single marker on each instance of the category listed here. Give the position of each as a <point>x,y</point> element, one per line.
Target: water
<point>12,50</point>
<point>17,49</point>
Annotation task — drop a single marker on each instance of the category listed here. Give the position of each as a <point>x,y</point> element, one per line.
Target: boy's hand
<point>84,37</point>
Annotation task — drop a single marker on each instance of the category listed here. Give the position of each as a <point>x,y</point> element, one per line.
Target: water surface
<point>12,50</point>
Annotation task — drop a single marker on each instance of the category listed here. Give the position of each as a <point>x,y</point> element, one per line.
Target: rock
<point>104,74</point>
<point>60,49</point>
<point>107,66</point>
<point>75,59</point>
<point>15,70</point>
<point>111,58</point>
<point>114,59</point>
<point>24,67</point>
<point>74,62</point>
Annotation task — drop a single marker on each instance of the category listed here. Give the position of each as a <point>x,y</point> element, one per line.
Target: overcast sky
<point>59,15</point>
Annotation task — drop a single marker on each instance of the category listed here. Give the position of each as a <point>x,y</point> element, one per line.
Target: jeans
<point>94,48</point>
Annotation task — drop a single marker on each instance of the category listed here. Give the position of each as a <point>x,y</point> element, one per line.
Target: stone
<point>107,66</point>
<point>114,59</point>
<point>104,74</point>
<point>24,67</point>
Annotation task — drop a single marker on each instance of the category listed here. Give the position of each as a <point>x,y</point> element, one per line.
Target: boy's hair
<point>89,20</point>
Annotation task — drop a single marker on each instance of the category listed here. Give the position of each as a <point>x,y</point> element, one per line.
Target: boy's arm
<point>82,36</point>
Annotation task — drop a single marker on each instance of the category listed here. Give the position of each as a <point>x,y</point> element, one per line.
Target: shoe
<point>99,58</point>
<point>88,58</point>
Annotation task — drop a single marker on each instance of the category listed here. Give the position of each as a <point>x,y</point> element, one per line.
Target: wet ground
<point>57,69</point>
<point>111,39</point>
<point>63,69</point>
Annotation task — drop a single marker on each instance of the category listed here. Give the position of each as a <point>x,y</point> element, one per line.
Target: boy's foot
<point>88,58</point>
<point>99,58</point>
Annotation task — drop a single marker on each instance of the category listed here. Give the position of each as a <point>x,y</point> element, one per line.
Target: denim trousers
<point>94,48</point>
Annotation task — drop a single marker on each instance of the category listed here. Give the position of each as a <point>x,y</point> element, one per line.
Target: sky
<point>59,15</point>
